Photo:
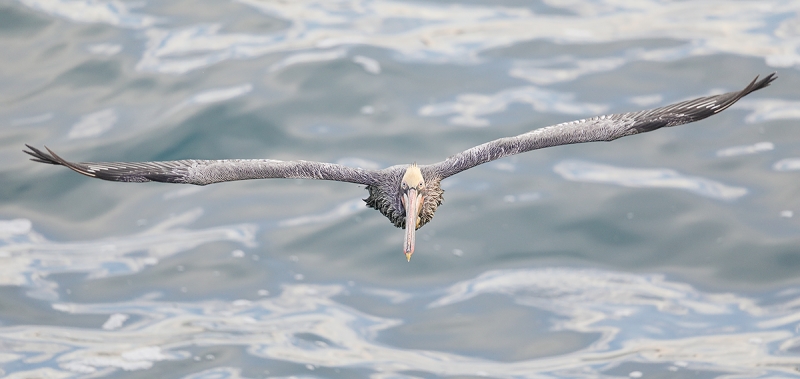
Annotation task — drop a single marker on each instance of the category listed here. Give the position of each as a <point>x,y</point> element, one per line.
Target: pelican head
<point>408,198</point>
<point>412,190</point>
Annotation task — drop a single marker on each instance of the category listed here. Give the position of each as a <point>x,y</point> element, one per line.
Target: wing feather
<point>601,128</point>
<point>202,172</point>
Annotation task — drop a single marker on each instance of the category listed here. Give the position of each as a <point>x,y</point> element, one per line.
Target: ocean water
<point>669,254</point>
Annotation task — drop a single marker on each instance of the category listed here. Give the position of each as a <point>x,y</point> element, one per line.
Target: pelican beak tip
<point>408,256</point>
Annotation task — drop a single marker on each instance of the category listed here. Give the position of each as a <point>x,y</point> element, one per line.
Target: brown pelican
<point>408,194</point>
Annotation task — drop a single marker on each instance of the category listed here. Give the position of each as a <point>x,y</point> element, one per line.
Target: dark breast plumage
<point>385,197</point>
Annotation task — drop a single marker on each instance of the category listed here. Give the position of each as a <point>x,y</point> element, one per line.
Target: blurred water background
<point>670,254</point>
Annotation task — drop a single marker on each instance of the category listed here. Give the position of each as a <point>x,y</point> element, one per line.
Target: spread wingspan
<point>601,128</point>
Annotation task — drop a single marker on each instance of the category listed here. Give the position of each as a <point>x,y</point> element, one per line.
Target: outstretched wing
<point>601,128</point>
<point>202,172</point>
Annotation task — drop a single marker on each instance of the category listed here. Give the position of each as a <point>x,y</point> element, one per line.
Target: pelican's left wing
<point>202,172</point>
<point>601,128</point>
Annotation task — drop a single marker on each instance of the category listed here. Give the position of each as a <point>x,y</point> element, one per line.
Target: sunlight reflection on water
<point>28,258</point>
<point>746,338</point>
<point>655,178</point>
<point>291,279</point>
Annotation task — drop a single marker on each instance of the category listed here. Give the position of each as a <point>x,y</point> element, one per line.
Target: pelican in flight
<point>408,195</point>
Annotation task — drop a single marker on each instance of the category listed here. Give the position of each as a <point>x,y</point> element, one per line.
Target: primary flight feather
<point>408,195</point>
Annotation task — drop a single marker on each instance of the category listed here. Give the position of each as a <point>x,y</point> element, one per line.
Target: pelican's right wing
<point>601,128</point>
<point>202,172</point>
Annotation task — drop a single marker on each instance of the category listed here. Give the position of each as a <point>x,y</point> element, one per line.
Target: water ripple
<point>301,58</point>
<point>568,68</point>
<point>763,110</point>
<point>214,95</point>
<point>115,13</point>
<point>468,108</point>
<point>369,65</point>
<point>787,164</point>
<point>344,210</point>
<point>27,258</point>
<point>105,49</point>
<point>94,124</point>
<point>746,149</point>
<point>181,50</point>
<point>581,171</point>
<point>305,325</point>
<point>447,32</point>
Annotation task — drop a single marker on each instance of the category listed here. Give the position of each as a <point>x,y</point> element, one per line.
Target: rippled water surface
<point>670,254</point>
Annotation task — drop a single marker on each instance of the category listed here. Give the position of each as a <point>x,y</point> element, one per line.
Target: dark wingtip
<point>40,156</point>
<point>54,159</point>
<point>756,84</point>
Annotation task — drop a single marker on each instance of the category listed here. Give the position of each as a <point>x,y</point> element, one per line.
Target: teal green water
<point>671,254</point>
